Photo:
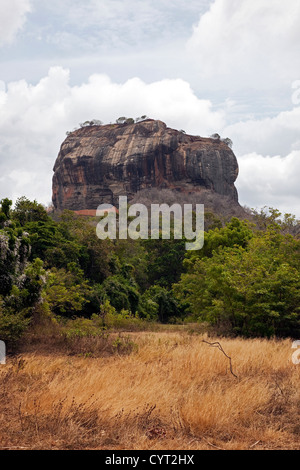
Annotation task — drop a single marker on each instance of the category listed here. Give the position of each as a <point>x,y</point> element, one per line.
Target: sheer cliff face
<point>98,164</point>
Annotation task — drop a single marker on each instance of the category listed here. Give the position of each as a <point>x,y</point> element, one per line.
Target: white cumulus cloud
<point>278,135</point>
<point>12,18</point>
<point>270,181</point>
<point>251,42</point>
<point>268,152</point>
<point>35,118</point>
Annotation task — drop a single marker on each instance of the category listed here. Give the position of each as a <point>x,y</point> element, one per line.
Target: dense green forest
<point>245,281</point>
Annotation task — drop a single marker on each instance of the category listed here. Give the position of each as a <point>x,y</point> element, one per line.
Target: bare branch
<point>218,345</point>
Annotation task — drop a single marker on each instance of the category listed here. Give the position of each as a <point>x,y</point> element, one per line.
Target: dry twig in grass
<point>218,345</point>
<point>253,445</point>
<point>212,445</point>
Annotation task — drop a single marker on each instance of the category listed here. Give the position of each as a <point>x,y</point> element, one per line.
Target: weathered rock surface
<point>97,164</point>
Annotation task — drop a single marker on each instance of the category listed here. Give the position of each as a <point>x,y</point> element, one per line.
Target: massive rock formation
<point>97,164</point>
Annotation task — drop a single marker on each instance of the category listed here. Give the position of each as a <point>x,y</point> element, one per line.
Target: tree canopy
<point>245,280</point>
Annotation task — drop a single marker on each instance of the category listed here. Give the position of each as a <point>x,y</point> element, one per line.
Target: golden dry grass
<point>173,392</point>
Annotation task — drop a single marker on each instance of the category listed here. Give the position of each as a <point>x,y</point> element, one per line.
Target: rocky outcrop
<point>97,164</point>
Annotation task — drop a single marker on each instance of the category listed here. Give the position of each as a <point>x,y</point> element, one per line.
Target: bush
<point>88,337</point>
<point>251,291</point>
<point>158,303</point>
<point>122,293</point>
<point>12,326</point>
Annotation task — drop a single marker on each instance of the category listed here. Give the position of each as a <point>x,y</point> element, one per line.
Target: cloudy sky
<point>205,66</point>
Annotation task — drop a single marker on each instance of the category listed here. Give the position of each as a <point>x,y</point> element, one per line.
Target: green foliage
<point>81,327</point>
<point>5,210</point>
<point>93,255</point>
<point>211,221</point>
<point>93,122</point>
<point>72,239</point>
<point>66,291</point>
<point>122,293</point>
<point>266,217</point>
<point>251,290</point>
<point>235,233</point>
<point>27,289</point>
<point>228,142</point>
<point>164,261</point>
<point>28,211</point>
<point>141,118</point>
<point>160,304</point>
<point>48,242</point>
<point>133,254</point>
<point>12,325</point>
<point>14,252</point>
<point>245,280</point>
<point>125,120</point>
<point>21,289</point>
<point>215,136</point>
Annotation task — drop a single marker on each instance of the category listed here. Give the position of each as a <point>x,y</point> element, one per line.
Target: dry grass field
<point>171,391</point>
